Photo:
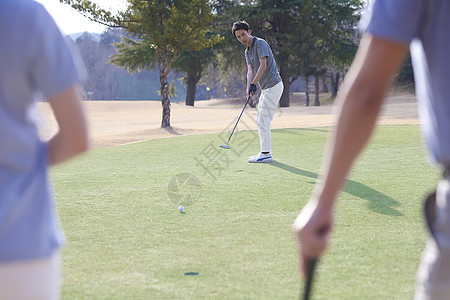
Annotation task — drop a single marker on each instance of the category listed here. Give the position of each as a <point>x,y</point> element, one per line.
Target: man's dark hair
<point>240,25</point>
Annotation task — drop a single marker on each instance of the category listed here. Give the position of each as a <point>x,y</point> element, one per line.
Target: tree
<point>325,38</point>
<point>100,83</point>
<point>304,34</point>
<point>228,77</point>
<point>162,30</point>
<point>275,21</point>
<point>335,43</point>
<point>405,76</point>
<point>224,80</point>
<point>193,64</point>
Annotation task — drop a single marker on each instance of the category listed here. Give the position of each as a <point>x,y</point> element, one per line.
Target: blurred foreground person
<point>34,58</point>
<point>389,28</point>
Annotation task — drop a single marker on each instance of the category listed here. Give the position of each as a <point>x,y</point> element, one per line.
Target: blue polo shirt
<point>425,26</point>
<point>33,58</point>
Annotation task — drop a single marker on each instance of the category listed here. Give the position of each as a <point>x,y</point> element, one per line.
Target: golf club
<point>310,268</point>
<point>227,145</point>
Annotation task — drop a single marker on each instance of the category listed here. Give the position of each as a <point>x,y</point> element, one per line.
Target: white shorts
<point>38,279</point>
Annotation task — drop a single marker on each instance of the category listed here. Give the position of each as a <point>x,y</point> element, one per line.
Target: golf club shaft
<point>248,99</point>
<point>310,267</point>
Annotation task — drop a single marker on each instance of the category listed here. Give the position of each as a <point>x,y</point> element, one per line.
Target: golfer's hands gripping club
<point>312,229</point>
<point>252,89</point>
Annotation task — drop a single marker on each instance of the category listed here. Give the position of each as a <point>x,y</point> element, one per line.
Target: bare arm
<point>254,79</point>
<point>261,70</point>
<point>72,137</point>
<point>369,77</point>
<point>250,76</point>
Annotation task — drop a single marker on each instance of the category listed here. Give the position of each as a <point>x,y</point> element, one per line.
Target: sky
<point>70,21</point>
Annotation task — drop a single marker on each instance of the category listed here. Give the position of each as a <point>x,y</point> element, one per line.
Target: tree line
<point>105,81</point>
<point>309,39</point>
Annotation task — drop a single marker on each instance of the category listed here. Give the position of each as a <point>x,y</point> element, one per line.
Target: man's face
<point>243,36</point>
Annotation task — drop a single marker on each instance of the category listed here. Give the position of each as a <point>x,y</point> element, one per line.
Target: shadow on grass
<point>379,202</point>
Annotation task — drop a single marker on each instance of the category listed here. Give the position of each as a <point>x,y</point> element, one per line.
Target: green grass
<point>127,240</point>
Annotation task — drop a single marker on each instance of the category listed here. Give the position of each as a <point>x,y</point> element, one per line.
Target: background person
<point>390,27</point>
<point>33,58</point>
<point>259,57</point>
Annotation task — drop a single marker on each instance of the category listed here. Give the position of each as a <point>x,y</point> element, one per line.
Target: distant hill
<point>95,36</point>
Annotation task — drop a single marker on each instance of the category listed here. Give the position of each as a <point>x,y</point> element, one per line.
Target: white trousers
<point>433,278</point>
<point>268,103</point>
<point>38,279</point>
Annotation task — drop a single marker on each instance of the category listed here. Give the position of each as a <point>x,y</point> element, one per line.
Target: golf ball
<point>181,208</point>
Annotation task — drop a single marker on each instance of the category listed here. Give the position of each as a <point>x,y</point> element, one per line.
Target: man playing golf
<point>262,70</point>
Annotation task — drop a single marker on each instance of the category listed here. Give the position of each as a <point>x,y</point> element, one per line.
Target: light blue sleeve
<point>53,69</point>
<point>397,20</point>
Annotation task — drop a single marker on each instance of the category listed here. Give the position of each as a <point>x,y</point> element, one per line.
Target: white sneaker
<point>261,158</point>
